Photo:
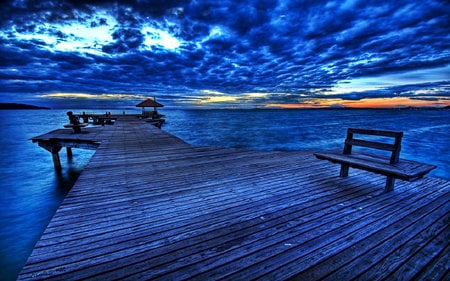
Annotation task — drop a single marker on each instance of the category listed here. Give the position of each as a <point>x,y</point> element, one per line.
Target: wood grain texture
<point>149,206</point>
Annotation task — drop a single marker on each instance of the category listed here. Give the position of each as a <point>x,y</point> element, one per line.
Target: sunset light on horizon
<point>401,102</point>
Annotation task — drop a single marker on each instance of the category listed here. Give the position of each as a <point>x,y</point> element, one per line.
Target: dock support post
<point>69,153</point>
<point>56,160</point>
<point>54,149</point>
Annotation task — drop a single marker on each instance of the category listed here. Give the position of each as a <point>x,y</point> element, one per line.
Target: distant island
<point>20,106</point>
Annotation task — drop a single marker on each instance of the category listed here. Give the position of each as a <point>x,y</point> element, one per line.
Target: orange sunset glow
<point>395,102</point>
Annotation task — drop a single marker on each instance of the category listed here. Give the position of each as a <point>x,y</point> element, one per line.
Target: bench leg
<point>344,170</point>
<point>390,181</point>
<point>76,130</point>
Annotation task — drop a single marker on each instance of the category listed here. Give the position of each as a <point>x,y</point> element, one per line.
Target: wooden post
<point>344,170</point>
<point>69,153</point>
<point>56,161</point>
<point>54,149</point>
<point>390,181</point>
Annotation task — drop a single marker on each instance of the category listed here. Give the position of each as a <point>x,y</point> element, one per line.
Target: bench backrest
<point>394,148</point>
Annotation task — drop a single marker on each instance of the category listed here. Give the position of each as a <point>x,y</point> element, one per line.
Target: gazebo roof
<point>149,103</point>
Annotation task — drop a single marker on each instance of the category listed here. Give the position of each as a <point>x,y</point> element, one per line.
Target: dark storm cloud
<point>287,47</point>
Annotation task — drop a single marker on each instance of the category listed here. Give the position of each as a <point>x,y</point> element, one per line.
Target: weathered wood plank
<point>181,244</point>
<point>371,144</point>
<point>309,243</point>
<point>149,206</point>
<point>438,269</point>
<point>352,261</point>
<point>375,132</point>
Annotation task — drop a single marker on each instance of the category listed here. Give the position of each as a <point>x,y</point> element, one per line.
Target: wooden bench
<point>76,127</point>
<point>389,165</point>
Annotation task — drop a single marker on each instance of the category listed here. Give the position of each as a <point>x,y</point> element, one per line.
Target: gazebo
<point>150,103</point>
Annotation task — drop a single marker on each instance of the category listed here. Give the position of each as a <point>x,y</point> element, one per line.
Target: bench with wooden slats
<point>389,165</point>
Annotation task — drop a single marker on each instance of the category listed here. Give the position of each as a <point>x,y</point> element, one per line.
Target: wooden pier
<point>149,206</point>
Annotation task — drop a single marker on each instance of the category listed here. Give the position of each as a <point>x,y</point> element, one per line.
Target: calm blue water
<point>31,191</point>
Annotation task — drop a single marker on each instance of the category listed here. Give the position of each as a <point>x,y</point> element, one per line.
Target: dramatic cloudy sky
<point>228,53</point>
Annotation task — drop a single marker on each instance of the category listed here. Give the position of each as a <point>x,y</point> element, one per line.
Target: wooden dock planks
<point>150,206</point>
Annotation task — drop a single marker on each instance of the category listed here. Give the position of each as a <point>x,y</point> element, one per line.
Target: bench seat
<point>376,140</point>
<point>404,169</point>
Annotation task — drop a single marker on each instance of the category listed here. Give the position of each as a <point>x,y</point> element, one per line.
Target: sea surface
<point>31,190</point>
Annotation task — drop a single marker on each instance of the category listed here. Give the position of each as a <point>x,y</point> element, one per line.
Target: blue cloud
<point>293,48</point>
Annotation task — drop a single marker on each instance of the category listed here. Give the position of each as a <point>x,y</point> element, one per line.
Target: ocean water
<point>31,190</point>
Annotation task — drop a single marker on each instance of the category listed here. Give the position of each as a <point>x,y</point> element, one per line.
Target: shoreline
<point>15,106</point>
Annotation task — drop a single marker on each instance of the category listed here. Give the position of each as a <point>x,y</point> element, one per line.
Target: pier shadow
<point>65,179</point>
<point>74,165</point>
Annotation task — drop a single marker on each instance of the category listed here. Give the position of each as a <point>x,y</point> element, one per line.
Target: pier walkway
<point>149,206</point>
